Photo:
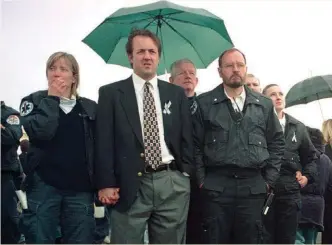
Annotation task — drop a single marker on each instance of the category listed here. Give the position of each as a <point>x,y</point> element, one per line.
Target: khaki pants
<point>162,203</point>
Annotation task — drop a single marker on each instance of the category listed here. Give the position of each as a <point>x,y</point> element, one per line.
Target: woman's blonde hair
<point>73,66</point>
<point>327,131</point>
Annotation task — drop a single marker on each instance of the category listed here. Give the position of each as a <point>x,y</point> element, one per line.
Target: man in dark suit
<point>144,149</point>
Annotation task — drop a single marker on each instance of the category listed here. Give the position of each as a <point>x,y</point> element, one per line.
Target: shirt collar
<point>139,82</point>
<point>73,97</point>
<point>242,96</point>
<point>283,120</point>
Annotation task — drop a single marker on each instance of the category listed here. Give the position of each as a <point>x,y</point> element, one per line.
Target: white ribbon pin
<point>294,138</point>
<point>167,107</point>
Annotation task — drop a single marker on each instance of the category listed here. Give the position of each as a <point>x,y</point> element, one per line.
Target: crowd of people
<point>155,162</point>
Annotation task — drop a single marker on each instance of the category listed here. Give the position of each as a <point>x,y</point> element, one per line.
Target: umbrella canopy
<point>311,89</point>
<point>184,32</point>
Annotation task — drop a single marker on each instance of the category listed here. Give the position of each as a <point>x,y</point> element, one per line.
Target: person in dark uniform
<point>297,170</point>
<point>238,148</point>
<point>312,195</point>
<point>24,145</point>
<point>59,182</point>
<point>183,74</point>
<point>10,139</point>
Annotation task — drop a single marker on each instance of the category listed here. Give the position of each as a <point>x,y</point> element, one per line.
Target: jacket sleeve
<point>104,163</point>
<point>12,131</point>
<point>308,156</point>
<point>40,121</point>
<point>276,147</point>
<point>329,183</point>
<point>187,152</point>
<point>198,135</point>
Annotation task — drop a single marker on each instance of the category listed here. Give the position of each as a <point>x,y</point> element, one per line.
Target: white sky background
<point>284,41</point>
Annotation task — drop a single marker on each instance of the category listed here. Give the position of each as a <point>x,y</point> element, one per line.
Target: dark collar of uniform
<point>2,103</point>
<point>219,96</point>
<point>192,97</point>
<point>290,119</point>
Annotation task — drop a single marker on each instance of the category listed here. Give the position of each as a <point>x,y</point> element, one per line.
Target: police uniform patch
<point>13,120</point>
<point>26,108</point>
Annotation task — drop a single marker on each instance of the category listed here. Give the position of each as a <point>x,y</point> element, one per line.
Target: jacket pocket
<point>210,230</point>
<point>258,189</point>
<point>216,144</point>
<point>257,151</point>
<point>291,162</point>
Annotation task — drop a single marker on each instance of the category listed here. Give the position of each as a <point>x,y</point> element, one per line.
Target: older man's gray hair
<point>175,65</point>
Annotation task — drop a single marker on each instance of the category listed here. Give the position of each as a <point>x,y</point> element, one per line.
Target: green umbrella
<point>185,32</point>
<point>311,89</point>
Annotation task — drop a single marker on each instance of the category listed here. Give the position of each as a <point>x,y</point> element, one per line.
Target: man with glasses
<point>238,148</point>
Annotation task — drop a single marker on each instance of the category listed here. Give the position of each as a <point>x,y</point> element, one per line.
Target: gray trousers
<point>162,203</point>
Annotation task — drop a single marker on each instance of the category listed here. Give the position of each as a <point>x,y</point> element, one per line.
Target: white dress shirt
<point>139,91</point>
<point>283,122</point>
<point>240,99</point>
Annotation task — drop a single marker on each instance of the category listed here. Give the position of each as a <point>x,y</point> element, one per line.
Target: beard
<point>234,84</point>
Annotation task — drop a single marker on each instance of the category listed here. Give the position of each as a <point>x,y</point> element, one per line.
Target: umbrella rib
<point>141,20</point>
<point>126,23</point>
<point>226,37</point>
<point>173,29</point>
<point>163,15</point>
<point>188,22</point>
<point>146,26</point>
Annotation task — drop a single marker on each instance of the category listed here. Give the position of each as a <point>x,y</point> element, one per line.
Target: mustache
<point>236,75</point>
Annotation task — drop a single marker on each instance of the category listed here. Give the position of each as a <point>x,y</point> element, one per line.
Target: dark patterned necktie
<point>151,130</point>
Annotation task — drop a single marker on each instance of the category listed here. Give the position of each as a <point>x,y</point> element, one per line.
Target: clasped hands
<point>109,196</point>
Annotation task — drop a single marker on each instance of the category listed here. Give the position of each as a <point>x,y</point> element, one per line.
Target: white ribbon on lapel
<point>294,138</point>
<point>167,107</point>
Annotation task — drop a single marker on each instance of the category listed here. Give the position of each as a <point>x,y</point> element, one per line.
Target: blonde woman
<point>327,133</point>
<point>327,234</point>
<point>60,126</point>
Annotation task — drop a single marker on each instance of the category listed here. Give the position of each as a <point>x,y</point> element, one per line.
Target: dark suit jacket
<point>119,142</point>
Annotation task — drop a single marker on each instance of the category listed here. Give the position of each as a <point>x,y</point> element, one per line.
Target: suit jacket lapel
<point>166,111</point>
<point>129,103</point>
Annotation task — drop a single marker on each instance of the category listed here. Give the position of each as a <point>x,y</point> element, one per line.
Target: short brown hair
<point>145,33</point>
<point>73,65</point>
<point>230,51</point>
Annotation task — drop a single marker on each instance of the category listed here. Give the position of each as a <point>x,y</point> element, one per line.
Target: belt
<point>236,172</point>
<point>163,167</point>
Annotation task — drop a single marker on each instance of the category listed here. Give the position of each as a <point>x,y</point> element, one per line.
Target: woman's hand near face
<point>57,87</point>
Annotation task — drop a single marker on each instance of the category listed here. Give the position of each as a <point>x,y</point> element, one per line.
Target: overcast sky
<point>284,41</point>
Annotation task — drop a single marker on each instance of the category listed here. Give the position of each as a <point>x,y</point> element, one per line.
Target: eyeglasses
<point>232,66</point>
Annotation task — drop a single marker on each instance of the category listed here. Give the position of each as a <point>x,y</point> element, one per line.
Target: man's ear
<point>130,58</point>
<point>171,80</point>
